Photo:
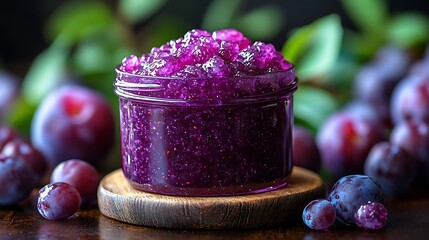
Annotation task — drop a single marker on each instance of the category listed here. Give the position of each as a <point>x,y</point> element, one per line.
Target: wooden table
<point>408,219</point>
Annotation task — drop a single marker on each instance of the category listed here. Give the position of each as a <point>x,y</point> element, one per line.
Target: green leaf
<point>262,23</point>
<point>361,46</point>
<point>312,106</point>
<point>368,15</point>
<point>408,29</point>
<point>102,83</point>
<point>90,56</point>
<point>98,54</point>
<point>297,43</point>
<point>139,10</point>
<point>314,48</point>
<point>21,115</point>
<point>45,71</point>
<point>219,14</point>
<point>342,75</point>
<point>162,29</point>
<point>77,20</point>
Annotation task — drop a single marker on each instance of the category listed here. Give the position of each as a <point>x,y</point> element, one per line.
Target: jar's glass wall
<point>218,150</point>
<point>200,148</point>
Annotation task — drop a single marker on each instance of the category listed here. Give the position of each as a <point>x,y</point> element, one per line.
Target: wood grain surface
<point>117,199</point>
<point>407,219</point>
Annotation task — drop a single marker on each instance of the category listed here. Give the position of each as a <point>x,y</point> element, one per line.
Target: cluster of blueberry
<point>353,200</point>
<point>71,123</point>
<point>382,132</point>
<point>22,167</point>
<point>74,185</point>
<point>385,131</point>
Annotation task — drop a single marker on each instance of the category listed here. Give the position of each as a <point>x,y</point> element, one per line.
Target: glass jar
<point>206,136</point>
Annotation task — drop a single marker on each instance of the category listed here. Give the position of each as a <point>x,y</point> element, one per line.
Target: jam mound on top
<point>200,54</point>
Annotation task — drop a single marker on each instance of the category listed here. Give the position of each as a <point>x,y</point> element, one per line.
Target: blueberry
<point>344,141</point>
<point>58,201</point>
<point>17,179</point>
<point>319,214</point>
<point>372,215</point>
<point>27,152</point>
<point>305,151</point>
<point>392,167</point>
<point>410,99</point>
<point>73,122</point>
<point>81,175</point>
<point>413,136</point>
<point>352,191</point>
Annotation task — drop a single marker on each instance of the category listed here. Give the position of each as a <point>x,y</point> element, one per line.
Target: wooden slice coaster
<point>117,199</point>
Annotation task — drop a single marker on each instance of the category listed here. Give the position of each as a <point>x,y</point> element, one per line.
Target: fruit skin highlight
<point>372,216</point>
<point>7,134</point>
<point>73,122</point>
<point>344,141</point>
<point>410,99</point>
<point>26,151</point>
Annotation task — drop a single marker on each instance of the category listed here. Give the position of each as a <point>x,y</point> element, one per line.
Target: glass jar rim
<point>291,69</point>
<point>206,91</point>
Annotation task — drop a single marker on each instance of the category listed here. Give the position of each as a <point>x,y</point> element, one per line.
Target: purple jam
<point>208,114</point>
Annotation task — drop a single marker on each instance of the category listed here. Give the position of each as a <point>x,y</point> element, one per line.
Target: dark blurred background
<point>23,36</point>
<point>46,43</point>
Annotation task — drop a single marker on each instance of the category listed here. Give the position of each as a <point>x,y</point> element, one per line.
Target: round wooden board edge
<point>117,199</point>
